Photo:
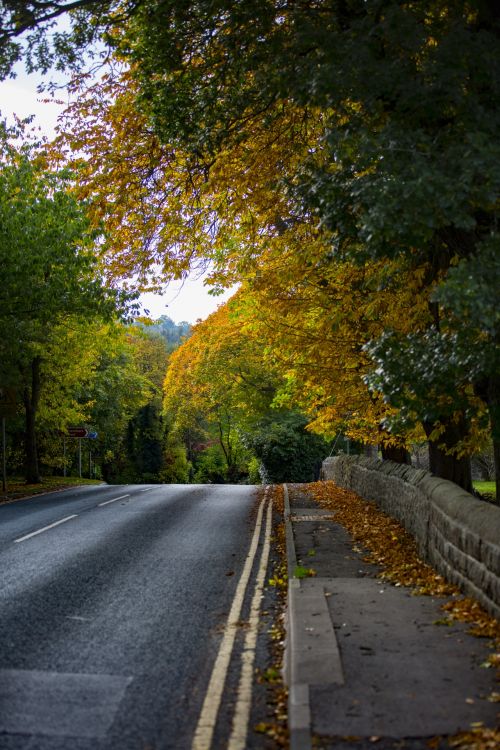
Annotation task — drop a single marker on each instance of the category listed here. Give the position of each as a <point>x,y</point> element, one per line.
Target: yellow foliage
<point>165,213</point>
<point>217,375</point>
<point>316,316</point>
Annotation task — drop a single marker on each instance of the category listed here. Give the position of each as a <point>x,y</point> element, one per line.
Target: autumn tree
<point>222,377</point>
<point>216,379</point>
<point>289,262</point>
<point>169,213</point>
<point>316,317</point>
<point>410,144</point>
<point>150,451</point>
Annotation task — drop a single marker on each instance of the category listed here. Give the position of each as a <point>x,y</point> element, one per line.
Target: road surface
<point>114,607</point>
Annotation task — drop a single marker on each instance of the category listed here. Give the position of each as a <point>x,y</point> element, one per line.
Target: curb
<point>312,655</point>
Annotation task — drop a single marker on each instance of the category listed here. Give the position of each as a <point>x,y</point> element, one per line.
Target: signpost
<point>8,403</point>
<point>79,433</point>
<point>92,436</point>
<point>4,458</point>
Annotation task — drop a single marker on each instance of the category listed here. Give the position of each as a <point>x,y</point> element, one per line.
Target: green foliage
<point>301,572</point>
<point>190,101</point>
<point>51,284</point>
<point>49,266</point>
<point>469,296</point>
<point>414,371</point>
<point>27,31</point>
<point>211,466</point>
<point>254,471</point>
<point>176,468</point>
<point>287,451</point>
<point>144,444</point>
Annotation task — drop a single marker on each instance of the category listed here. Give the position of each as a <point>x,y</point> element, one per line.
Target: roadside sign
<point>92,435</point>
<point>8,401</point>
<point>77,432</point>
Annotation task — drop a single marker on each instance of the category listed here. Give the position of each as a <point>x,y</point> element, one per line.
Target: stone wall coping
<point>478,516</point>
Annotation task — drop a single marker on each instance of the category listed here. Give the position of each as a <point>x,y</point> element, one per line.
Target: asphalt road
<point>111,618</point>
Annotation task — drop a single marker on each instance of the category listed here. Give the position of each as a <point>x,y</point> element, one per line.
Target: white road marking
<point>122,497</point>
<point>45,528</point>
<point>241,716</point>
<point>148,489</point>
<point>206,723</point>
<point>77,617</point>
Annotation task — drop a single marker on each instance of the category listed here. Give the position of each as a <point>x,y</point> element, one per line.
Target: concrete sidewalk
<point>367,664</point>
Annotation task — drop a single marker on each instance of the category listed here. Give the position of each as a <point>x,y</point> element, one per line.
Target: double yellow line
<point>204,732</point>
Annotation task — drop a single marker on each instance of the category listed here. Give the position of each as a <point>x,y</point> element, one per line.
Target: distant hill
<point>172,333</point>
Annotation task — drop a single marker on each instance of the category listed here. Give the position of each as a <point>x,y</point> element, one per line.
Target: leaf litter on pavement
<point>387,544</point>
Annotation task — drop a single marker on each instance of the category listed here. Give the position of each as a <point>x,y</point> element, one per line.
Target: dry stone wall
<point>457,533</point>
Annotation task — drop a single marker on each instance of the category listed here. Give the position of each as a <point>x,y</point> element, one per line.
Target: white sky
<point>188,300</point>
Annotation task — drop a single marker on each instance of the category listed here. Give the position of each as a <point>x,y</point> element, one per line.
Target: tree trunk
<point>399,454</point>
<point>493,401</point>
<point>496,456</point>
<point>457,470</point>
<point>31,401</point>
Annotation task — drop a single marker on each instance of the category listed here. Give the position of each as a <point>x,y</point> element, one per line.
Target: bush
<point>255,471</point>
<point>287,451</point>
<point>210,466</point>
<point>176,468</point>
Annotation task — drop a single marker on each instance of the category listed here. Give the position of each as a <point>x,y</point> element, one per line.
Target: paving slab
<point>405,676</point>
<point>397,675</point>
<point>327,548</point>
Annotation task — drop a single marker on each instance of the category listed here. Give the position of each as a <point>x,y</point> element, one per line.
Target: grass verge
<point>18,489</point>
<point>486,489</point>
